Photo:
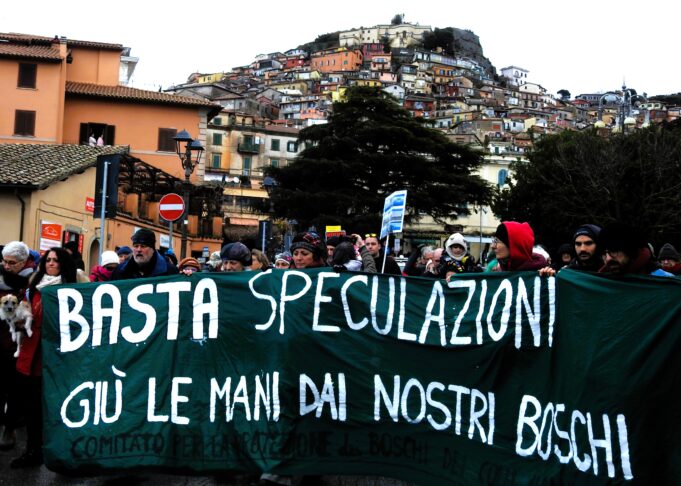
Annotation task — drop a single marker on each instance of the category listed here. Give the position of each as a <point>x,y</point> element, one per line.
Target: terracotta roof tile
<point>41,165</point>
<point>33,52</point>
<point>133,94</point>
<point>39,39</point>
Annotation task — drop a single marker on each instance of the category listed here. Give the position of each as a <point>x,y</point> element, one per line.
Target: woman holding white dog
<point>16,267</point>
<point>56,267</point>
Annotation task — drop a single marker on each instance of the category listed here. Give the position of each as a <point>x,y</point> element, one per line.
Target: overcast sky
<point>582,46</point>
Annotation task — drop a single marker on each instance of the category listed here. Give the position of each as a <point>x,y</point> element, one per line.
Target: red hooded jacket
<point>520,244</point>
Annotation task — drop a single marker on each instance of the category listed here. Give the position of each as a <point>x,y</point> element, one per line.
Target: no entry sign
<point>171,207</point>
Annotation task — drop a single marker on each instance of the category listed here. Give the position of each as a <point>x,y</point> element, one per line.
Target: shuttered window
<point>27,75</point>
<point>24,123</point>
<point>166,142</point>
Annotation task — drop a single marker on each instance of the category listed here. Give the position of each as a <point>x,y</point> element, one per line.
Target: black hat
<point>668,252</point>
<point>144,236</point>
<point>622,237</point>
<point>237,252</point>
<point>590,230</point>
<point>333,241</point>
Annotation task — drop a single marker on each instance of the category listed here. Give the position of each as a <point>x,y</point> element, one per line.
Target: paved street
<point>42,476</point>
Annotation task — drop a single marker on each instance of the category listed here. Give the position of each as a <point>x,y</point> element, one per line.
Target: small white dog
<point>18,316</point>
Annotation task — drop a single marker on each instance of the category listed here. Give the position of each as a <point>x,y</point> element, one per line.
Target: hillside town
<point>73,101</point>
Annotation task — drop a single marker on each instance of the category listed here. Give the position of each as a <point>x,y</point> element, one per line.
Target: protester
<point>124,252</point>
<point>564,256</point>
<point>56,267</point>
<point>282,260</point>
<point>375,247</point>
<point>627,252</point>
<point>309,251</point>
<point>146,261</point>
<point>72,248</point>
<point>214,263</point>
<point>416,264</point>
<point>434,265</point>
<point>188,266</point>
<point>353,258</point>
<point>589,254</point>
<point>331,243</point>
<point>513,245</point>
<point>103,272</point>
<point>236,257</point>
<point>17,267</point>
<point>260,260</point>
<point>669,259</point>
<point>458,259</point>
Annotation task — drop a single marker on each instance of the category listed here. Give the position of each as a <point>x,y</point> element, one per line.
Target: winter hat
<point>311,242</point>
<point>109,257</point>
<point>144,236</point>
<point>590,230</point>
<point>333,241</point>
<point>284,257</point>
<point>621,237</point>
<point>566,248</point>
<point>215,261</point>
<point>189,262</point>
<point>237,252</point>
<point>668,252</point>
<point>124,250</point>
<point>456,239</point>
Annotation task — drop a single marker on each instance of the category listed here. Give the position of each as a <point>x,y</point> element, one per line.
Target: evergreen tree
<point>371,147</point>
<point>580,177</point>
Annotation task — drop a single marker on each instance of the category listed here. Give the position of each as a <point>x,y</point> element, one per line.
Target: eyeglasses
<point>371,235</point>
<point>10,263</point>
<point>494,241</point>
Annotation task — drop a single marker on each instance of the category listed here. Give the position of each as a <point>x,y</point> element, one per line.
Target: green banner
<point>499,379</point>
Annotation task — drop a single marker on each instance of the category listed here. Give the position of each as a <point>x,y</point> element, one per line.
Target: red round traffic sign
<point>171,207</point>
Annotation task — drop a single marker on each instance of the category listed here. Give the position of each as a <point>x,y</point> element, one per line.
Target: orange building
<point>336,60</point>
<point>67,92</point>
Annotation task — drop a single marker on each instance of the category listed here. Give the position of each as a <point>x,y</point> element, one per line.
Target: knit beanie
<point>668,252</point>
<point>124,250</point>
<point>109,258</point>
<point>144,236</point>
<point>284,257</point>
<point>311,242</point>
<point>237,252</point>
<point>189,262</point>
<point>590,230</point>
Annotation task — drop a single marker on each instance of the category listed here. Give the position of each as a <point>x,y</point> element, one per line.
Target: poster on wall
<point>50,235</point>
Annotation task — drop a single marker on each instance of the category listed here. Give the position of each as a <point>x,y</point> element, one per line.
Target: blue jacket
<point>129,268</point>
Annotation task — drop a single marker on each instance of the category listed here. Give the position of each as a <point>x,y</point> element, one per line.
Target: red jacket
<point>521,243</point>
<point>30,360</point>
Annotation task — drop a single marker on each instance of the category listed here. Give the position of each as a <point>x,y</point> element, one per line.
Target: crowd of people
<point>615,249</point>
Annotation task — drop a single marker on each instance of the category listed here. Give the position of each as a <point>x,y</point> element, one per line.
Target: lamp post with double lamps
<point>190,155</point>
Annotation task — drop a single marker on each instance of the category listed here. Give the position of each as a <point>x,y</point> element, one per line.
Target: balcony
<point>249,147</point>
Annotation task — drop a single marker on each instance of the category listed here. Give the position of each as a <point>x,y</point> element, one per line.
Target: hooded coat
<point>520,245</point>
<point>462,264</point>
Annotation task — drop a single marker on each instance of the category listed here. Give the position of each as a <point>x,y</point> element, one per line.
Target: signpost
<point>171,208</point>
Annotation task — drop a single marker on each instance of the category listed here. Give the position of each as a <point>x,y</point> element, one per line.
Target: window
<point>292,146</point>
<point>27,75</point>
<point>24,123</point>
<point>217,139</point>
<point>166,143</point>
<point>247,166</point>
<point>92,131</point>
<point>501,177</point>
<point>217,121</point>
<point>274,162</point>
<point>275,145</point>
<point>216,160</point>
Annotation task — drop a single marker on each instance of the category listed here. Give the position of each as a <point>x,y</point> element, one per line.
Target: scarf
<point>48,280</point>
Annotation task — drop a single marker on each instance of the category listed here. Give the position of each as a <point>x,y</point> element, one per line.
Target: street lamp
<point>189,155</point>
